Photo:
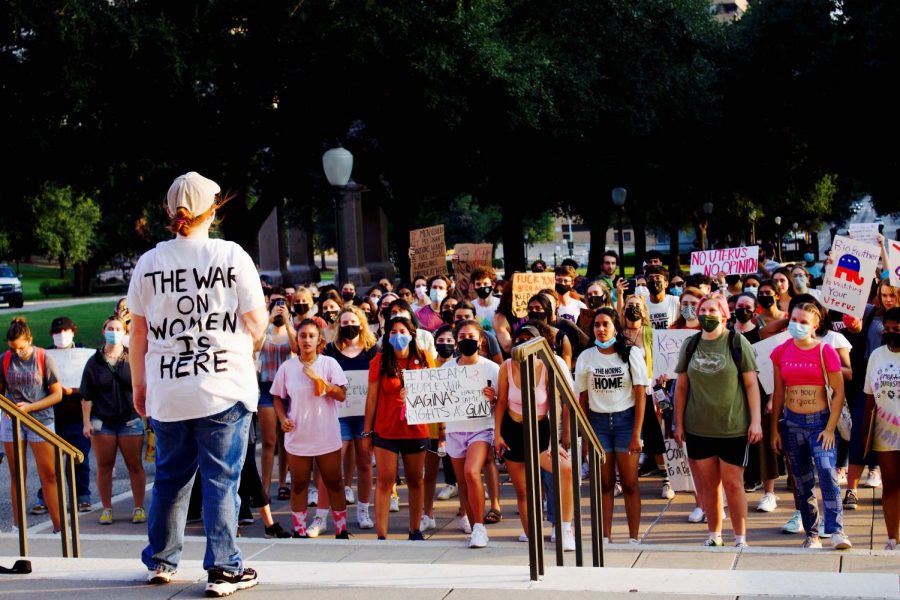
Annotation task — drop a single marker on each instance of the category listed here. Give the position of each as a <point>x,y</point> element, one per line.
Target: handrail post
<point>61,499</point>
<point>596,487</point>
<point>76,544</point>
<point>532,474</point>
<point>576,489</point>
<point>19,458</point>
<point>556,497</point>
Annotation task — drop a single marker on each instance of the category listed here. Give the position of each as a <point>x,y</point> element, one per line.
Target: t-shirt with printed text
<point>608,381</point>
<point>883,383</point>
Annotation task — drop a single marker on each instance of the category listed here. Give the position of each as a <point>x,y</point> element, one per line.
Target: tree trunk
<point>674,247</point>
<point>62,266</point>
<point>598,225</point>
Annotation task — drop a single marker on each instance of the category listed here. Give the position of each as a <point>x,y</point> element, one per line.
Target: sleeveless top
<point>514,393</point>
<point>271,355</point>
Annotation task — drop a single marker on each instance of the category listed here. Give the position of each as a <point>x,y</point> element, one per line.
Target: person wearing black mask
<point>464,311</point>
<point>540,309</point>
<point>483,279</point>
<point>597,296</point>
<point>330,304</point>
<point>348,292</point>
<point>745,317</point>
<point>663,308</point>
<point>448,305</point>
<point>767,298</point>
<point>570,304</point>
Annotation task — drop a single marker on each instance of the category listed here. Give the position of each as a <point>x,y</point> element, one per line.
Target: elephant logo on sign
<point>848,268</point>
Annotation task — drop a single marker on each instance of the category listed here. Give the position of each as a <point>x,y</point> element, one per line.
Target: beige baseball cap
<point>192,191</point>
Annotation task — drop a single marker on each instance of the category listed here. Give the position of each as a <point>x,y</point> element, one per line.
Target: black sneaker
<point>753,486</point>
<point>851,502</point>
<point>416,536</point>
<point>296,534</point>
<point>344,535</point>
<point>220,583</point>
<point>276,531</point>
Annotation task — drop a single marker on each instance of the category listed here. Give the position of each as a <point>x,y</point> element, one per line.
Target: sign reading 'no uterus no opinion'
<point>731,261</point>
<point>848,279</point>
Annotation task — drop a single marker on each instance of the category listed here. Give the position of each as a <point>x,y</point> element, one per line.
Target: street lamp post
<point>338,164</point>
<point>618,198</point>
<point>778,234</point>
<point>704,228</point>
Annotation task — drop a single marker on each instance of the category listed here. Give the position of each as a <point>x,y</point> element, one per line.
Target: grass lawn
<point>33,275</point>
<point>88,318</point>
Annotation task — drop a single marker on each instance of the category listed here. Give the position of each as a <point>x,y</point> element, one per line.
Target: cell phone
<point>632,284</point>
<point>279,302</point>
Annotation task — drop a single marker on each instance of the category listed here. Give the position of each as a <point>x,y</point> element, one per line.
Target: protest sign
<point>357,388</point>
<point>894,263</point>
<point>766,372</point>
<point>731,261</point>
<point>863,232</point>
<point>427,252</point>
<point>70,364</point>
<point>526,285</point>
<point>845,287</point>
<point>466,258</point>
<point>677,467</point>
<point>666,346</point>
<point>446,394</point>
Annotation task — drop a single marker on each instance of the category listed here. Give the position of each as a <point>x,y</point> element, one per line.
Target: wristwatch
<point>367,434</point>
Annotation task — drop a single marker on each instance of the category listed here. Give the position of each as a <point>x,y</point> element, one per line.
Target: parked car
<point>10,287</point>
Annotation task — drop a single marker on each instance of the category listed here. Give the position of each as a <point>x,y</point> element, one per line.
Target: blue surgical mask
<point>114,338</point>
<point>606,344</point>
<point>676,290</point>
<point>800,282</point>
<point>799,331</point>
<point>809,257</point>
<point>437,296</point>
<point>751,290</point>
<point>400,341</point>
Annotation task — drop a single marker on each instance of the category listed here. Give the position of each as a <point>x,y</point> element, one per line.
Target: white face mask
<point>642,290</point>
<point>63,339</point>
<point>422,291</point>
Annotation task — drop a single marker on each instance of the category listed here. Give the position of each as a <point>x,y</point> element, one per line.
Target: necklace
<point>112,358</point>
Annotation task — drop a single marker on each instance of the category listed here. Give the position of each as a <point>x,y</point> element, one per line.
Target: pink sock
<point>340,520</point>
<point>299,522</point>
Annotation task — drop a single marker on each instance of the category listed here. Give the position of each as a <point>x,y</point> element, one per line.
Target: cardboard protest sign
<point>666,346</point>
<point>70,364</point>
<point>847,281</point>
<point>894,262</point>
<point>466,258</point>
<point>731,261</point>
<point>446,394</point>
<point>357,388</point>
<point>526,285</point>
<point>863,232</point>
<point>677,467</point>
<point>427,252</point>
<point>766,372</point>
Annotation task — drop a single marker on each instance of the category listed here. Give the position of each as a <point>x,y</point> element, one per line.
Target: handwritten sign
<point>847,281</point>
<point>357,388</point>
<point>731,261</point>
<point>666,346</point>
<point>70,364</point>
<point>427,252</point>
<point>677,467</point>
<point>894,263</point>
<point>446,394</point>
<point>864,232</point>
<point>466,258</point>
<point>763,350</point>
<point>526,285</point>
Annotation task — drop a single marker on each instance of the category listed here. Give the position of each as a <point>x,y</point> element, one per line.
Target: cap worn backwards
<point>193,192</point>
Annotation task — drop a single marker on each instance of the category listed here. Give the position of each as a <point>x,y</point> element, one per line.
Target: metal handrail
<point>62,447</point>
<point>559,391</point>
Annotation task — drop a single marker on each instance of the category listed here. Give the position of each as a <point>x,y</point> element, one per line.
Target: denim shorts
<point>26,434</point>
<point>458,442</point>
<point>265,395</point>
<point>351,427</point>
<point>128,428</point>
<point>614,430</point>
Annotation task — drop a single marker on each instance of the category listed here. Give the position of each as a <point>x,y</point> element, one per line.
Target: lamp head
<point>618,196</point>
<point>338,164</point>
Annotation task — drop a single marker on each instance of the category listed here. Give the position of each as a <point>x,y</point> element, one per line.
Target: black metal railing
<point>63,451</point>
<point>560,393</point>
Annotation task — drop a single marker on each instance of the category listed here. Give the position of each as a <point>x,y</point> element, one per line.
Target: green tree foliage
<point>64,224</point>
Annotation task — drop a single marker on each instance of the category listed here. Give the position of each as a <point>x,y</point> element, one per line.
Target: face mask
<point>447,316</point>
<point>709,323</point>
<point>445,350</point>
<point>642,290</point>
<point>809,257</point>
<point>400,341</point>
<point>537,316</point>
<point>497,295</point>
<point>421,292</point>
<point>437,296</point>
<point>278,321</point>
<point>301,308</point>
<point>655,287</point>
<point>484,292</point>
<point>676,290</point>
<point>386,314</point>
<point>63,339</point>
<point>330,316</point>
<point>751,290</point>
<point>766,301</point>
<point>689,313</point>
<point>375,299</point>
<point>891,338</point>
<point>562,288</point>
<point>113,338</point>
<point>467,347</point>
<point>800,282</point>
<point>347,296</point>
<point>799,331</point>
<point>606,344</point>
<point>633,314</point>
<point>349,332</point>
<point>743,314</point>
<point>596,301</point>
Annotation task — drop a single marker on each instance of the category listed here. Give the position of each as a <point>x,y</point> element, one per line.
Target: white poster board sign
<point>731,261</point>
<point>864,232</point>
<point>764,366</point>
<point>357,388</point>
<point>70,364</point>
<point>894,262</point>
<point>445,394</point>
<point>666,346</point>
<point>847,281</point>
<point>677,467</point>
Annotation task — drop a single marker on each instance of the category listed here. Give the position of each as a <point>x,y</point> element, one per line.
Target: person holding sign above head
<point>198,312</point>
<point>386,427</point>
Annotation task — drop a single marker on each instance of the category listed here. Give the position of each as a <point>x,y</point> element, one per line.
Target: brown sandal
<point>493,516</point>
<point>284,493</point>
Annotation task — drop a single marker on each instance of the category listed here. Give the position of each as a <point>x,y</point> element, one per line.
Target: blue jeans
<point>614,430</point>
<point>217,445</point>
<point>74,434</point>
<point>805,454</point>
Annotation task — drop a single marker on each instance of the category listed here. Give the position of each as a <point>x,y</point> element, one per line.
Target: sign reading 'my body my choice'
<point>445,394</point>
<point>731,261</point>
<point>845,287</point>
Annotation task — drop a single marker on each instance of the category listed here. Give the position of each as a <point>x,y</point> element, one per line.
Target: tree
<point>64,225</point>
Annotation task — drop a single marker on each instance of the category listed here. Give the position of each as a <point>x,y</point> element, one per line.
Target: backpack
<point>39,353</point>
<point>737,352</point>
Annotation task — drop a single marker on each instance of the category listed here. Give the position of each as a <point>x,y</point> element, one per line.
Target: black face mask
<point>329,316</point>
<point>301,308</point>
<point>537,316</point>
<point>445,350</point>
<point>278,321</point>
<point>349,332</point>
<point>766,301</point>
<point>484,292</point>
<point>655,287</point>
<point>467,347</point>
<point>596,301</point>
<point>347,296</point>
<point>562,288</point>
<point>386,314</point>
<point>891,338</point>
<point>447,316</point>
<point>633,314</point>
<point>743,314</point>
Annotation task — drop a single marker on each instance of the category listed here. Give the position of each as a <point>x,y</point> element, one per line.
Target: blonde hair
<point>365,335</point>
<point>183,222</point>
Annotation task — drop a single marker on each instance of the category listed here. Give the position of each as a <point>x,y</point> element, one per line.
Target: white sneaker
<point>794,524</point>
<point>767,503</point>
<point>479,537</point>
<point>839,541</point>
<point>568,538</point>
<point>349,495</point>
<point>553,534</point>
<point>696,515</point>
<point>634,541</point>
<point>427,523</point>
<point>449,491</point>
<point>821,528</point>
<point>395,504</point>
<point>319,526</point>
<point>891,544</point>
<point>842,477</point>
<point>812,542</point>
<point>523,537</point>
<point>312,496</point>
<point>617,491</point>
<point>667,492</point>
<point>364,520</point>
<point>463,524</point>
<point>873,480</point>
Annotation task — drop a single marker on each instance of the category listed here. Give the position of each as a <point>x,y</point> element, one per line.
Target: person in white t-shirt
<point>663,308</point>
<point>570,304</point>
<point>486,304</point>
<point>198,312</point>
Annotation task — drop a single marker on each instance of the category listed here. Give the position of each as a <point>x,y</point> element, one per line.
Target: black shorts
<point>514,435</point>
<point>734,450</point>
<point>402,445</point>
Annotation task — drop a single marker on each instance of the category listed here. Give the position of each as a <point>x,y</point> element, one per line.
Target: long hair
<point>365,336</point>
<point>621,345</point>
<point>389,365</point>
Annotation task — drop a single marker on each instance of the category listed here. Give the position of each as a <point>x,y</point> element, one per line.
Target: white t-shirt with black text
<point>608,381</point>
<point>665,313</point>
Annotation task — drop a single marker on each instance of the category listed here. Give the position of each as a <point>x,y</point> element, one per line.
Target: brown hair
<point>18,328</point>
<point>184,221</point>
<point>115,318</point>
<point>320,344</point>
<point>482,272</point>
